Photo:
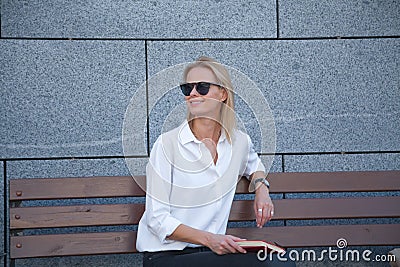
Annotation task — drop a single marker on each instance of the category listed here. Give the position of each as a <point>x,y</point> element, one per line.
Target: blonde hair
<point>227,114</point>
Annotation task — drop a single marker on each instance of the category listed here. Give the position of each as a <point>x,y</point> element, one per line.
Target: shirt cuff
<point>168,227</point>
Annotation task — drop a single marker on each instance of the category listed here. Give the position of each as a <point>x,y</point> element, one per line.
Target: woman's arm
<point>263,206</point>
<point>220,244</point>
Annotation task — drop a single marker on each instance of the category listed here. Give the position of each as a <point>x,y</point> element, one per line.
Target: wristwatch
<point>260,180</point>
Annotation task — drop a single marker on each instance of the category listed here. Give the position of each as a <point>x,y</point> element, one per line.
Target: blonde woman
<point>191,178</point>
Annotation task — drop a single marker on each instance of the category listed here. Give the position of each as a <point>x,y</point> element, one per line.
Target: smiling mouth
<point>195,102</point>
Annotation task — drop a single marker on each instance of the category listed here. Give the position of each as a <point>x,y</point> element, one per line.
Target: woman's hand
<point>224,244</point>
<point>263,206</point>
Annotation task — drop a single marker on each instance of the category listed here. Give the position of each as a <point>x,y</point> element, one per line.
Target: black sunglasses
<point>201,87</point>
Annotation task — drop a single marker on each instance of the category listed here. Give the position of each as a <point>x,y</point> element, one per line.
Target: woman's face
<point>204,105</point>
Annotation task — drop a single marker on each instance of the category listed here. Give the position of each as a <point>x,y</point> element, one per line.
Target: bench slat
<point>124,242</point>
<point>354,181</point>
<point>323,208</point>
<point>125,186</point>
<point>65,188</point>
<point>326,235</point>
<point>72,244</point>
<point>242,210</point>
<point>72,216</point>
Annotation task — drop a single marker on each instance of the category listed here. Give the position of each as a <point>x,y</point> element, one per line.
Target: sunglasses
<point>201,87</point>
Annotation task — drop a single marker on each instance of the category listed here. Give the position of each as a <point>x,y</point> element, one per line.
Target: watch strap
<point>255,181</point>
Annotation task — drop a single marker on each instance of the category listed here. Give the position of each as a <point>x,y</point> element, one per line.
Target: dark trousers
<point>202,256</point>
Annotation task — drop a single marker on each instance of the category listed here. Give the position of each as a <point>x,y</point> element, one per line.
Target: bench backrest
<point>24,214</point>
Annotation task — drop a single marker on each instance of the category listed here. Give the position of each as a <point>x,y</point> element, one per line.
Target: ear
<point>224,95</point>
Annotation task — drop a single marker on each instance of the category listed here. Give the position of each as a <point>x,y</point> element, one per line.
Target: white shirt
<point>184,186</point>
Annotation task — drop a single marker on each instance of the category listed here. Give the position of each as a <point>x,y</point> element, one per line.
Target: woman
<point>191,178</point>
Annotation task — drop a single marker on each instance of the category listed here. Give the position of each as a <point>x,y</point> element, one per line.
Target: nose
<point>194,91</point>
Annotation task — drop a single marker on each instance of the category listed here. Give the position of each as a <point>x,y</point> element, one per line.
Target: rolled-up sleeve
<point>254,163</point>
<point>159,219</point>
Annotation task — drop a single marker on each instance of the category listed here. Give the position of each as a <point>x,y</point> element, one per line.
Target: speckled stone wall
<point>329,70</point>
<point>2,216</point>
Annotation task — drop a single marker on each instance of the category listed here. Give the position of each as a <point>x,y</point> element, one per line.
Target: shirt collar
<point>186,135</point>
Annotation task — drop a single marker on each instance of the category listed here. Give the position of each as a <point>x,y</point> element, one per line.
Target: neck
<point>204,128</point>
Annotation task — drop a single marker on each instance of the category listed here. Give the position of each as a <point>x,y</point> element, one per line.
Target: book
<point>256,245</point>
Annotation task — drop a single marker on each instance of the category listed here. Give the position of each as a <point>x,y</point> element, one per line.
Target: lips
<point>195,102</point>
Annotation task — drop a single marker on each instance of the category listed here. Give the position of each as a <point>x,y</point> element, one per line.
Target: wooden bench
<point>25,214</point>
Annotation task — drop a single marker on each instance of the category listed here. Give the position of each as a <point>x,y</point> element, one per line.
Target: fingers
<point>227,244</point>
<point>235,238</point>
<point>263,206</point>
<point>264,213</point>
<point>235,247</point>
<point>259,214</point>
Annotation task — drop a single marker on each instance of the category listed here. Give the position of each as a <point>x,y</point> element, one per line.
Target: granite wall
<point>329,70</point>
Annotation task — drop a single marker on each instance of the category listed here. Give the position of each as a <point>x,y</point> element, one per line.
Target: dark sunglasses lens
<point>203,88</point>
<point>186,89</point>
